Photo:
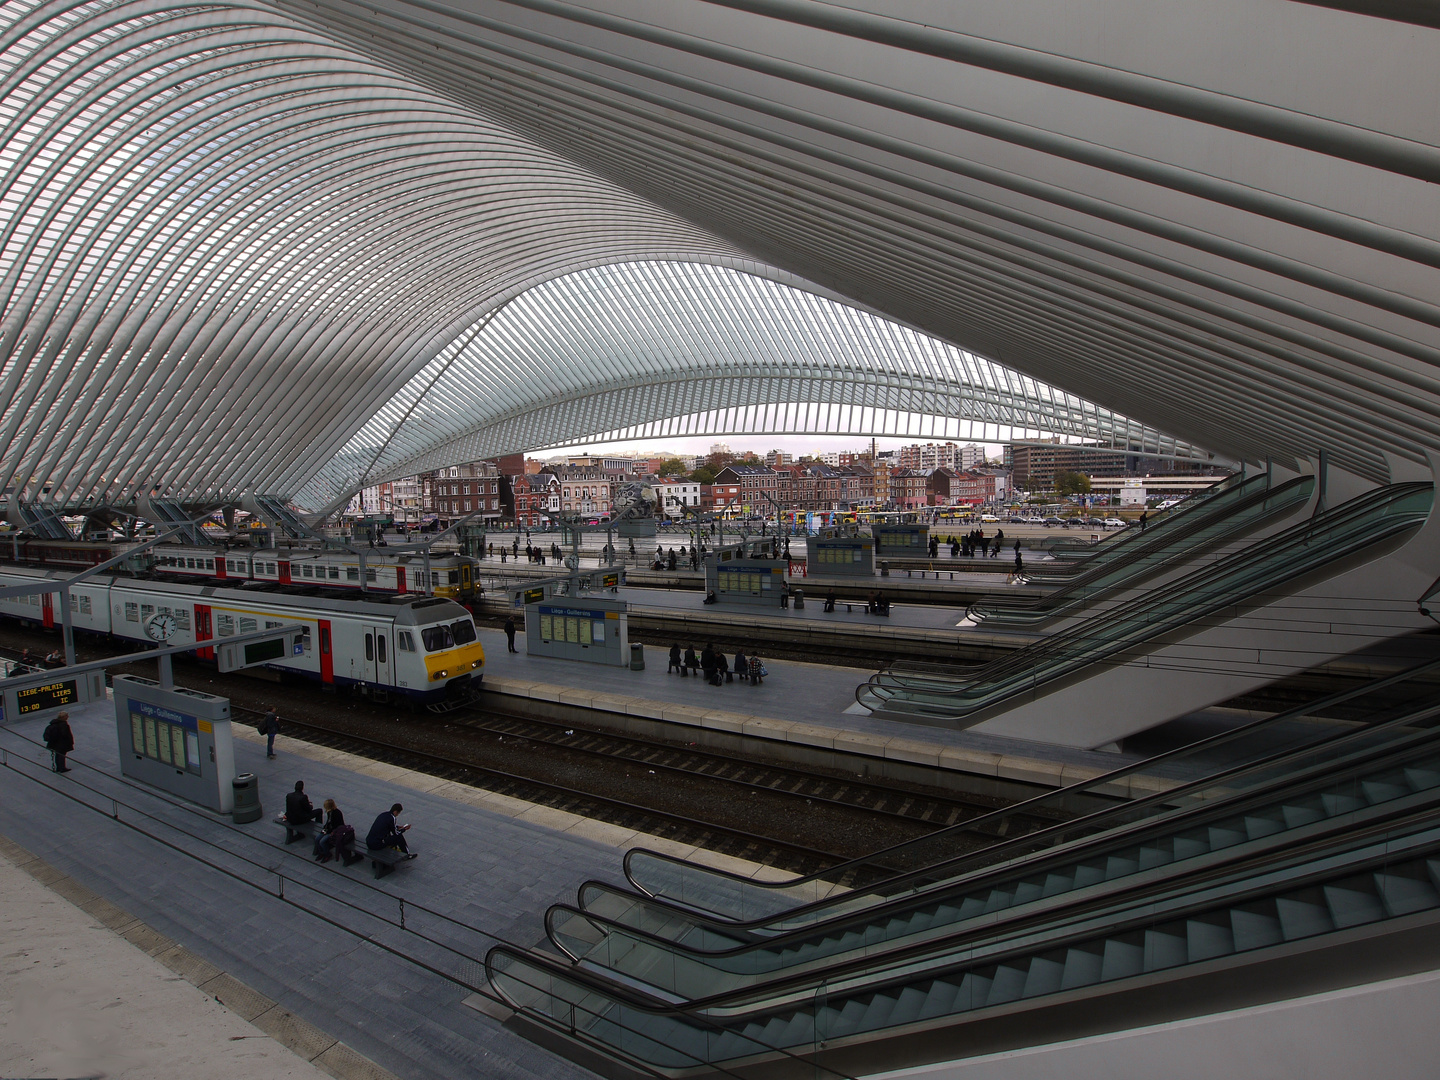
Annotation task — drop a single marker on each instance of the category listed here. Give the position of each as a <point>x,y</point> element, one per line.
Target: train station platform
<point>800,707</point>
<point>935,628</point>
<point>320,967</point>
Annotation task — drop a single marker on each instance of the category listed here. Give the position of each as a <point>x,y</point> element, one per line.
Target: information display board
<point>56,695</point>
<point>37,698</point>
<point>737,578</point>
<point>178,740</point>
<point>898,541</point>
<point>587,628</point>
<point>840,556</point>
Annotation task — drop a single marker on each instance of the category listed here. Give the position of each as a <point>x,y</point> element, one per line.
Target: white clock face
<point>160,627</point>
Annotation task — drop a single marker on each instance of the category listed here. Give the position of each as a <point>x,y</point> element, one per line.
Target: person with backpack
<point>269,726</point>
<point>59,740</point>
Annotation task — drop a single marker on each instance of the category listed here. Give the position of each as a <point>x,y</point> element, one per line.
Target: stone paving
<point>492,873</point>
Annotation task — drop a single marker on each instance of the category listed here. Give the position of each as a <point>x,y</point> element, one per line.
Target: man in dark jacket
<point>388,832</point>
<point>510,632</point>
<point>59,740</point>
<point>270,727</point>
<point>298,809</point>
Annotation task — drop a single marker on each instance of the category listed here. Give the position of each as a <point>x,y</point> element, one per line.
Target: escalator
<point>1236,583</point>
<point>1297,844</point>
<point>1222,520</point>
<point>1073,556</point>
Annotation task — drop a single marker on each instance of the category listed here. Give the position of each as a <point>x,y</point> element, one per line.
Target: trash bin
<point>884,567</point>
<point>799,598</point>
<point>247,798</point>
<point>637,656</point>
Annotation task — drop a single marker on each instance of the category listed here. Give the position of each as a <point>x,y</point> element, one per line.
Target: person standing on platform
<point>675,663</point>
<point>707,663</point>
<point>510,632</point>
<point>59,740</point>
<point>387,831</point>
<point>1143,515</point>
<point>1019,563</point>
<point>269,727</point>
<point>742,665</point>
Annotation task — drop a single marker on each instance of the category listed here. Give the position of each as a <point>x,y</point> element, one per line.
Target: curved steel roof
<point>269,244</point>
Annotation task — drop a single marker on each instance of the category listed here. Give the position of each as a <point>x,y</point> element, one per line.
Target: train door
<point>222,564</point>
<point>285,572</point>
<point>327,652</point>
<point>400,580</point>
<point>204,630</point>
<point>47,609</point>
<point>377,655</point>
<point>467,585</point>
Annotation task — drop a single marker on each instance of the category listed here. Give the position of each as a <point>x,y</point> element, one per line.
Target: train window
<point>182,618</point>
<point>334,573</point>
<point>437,638</point>
<point>352,573</point>
<point>209,564</point>
<point>454,577</point>
<point>305,640</point>
<point>307,571</point>
<point>463,632</point>
<point>146,610</point>
<point>247,625</point>
<point>325,640</point>
<point>132,611</point>
<point>225,623</point>
<point>190,564</point>
<point>369,646</point>
<point>434,578</point>
<point>404,641</point>
<point>380,648</point>
<point>369,573</point>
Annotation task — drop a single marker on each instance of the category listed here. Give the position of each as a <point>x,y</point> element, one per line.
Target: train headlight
<point>439,674</point>
<point>476,664</point>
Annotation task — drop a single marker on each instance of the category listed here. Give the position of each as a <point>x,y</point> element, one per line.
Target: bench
<point>305,830</point>
<point>384,860</point>
<point>310,830</point>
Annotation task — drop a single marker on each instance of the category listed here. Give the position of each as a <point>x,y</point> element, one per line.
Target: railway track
<point>679,828</point>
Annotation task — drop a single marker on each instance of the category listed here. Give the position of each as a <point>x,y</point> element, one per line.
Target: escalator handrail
<point>1151,542</point>
<point>1103,780</point>
<point>694,1009</point>
<point>1098,633</point>
<point>1022,866</point>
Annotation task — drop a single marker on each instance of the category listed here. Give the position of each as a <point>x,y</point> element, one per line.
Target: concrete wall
<point>1384,1029</point>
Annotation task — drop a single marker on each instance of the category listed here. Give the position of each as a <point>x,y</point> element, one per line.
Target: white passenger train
<point>386,572</point>
<point>422,648</point>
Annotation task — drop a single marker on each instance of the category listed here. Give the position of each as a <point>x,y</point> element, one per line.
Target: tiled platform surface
<point>90,990</point>
<point>484,862</point>
<point>797,703</point>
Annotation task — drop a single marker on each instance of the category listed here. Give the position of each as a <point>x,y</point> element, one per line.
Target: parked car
<point>1113,523</point>
<point>1051,522</point>
<point>987,518</point>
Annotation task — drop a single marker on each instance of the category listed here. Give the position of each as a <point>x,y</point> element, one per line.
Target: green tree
<point>1071,483</point>
<point>703,475</point>
<point>672,467</point>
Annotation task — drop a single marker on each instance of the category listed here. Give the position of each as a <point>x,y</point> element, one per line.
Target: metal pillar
<point>67,627</point>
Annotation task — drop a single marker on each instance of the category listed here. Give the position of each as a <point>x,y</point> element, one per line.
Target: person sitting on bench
<point>829,601</point>
<point>297,806</point>
<point>330,833</point>
<point>387,832</point>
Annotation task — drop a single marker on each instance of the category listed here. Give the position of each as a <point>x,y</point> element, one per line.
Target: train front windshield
<point>447,635</point>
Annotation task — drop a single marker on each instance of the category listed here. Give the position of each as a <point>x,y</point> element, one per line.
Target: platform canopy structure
<point>288,248</point>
